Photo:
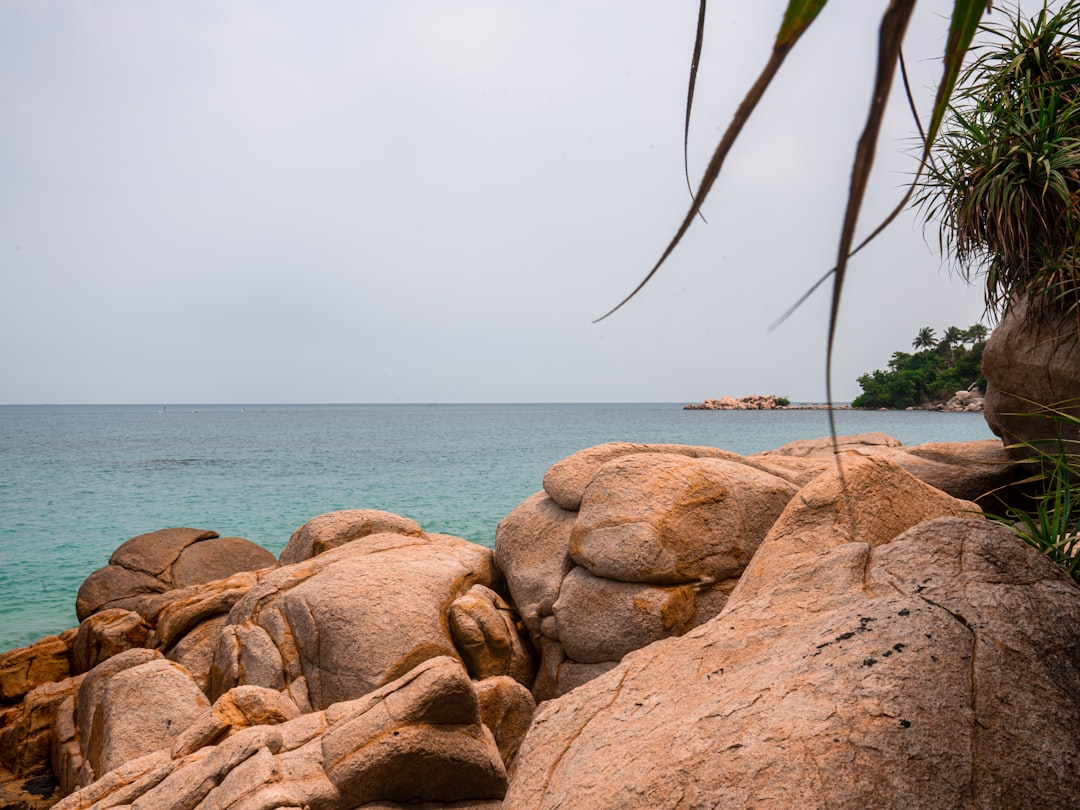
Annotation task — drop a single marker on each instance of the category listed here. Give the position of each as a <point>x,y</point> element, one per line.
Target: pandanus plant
<point>1003,183</point>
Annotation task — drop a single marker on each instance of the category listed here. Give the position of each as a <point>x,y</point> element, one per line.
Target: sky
<point>241,201</point>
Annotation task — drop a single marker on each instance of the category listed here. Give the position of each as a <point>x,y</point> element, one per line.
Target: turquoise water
<point>76,481</point>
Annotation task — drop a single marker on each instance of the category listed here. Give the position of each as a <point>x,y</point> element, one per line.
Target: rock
<point>343,623</point>
<point>506,708</point>
<point>26,668</point>
<point>754,402</point>
<point>237,709</point>
<point>825,448</point>
<point>485,633</point>
<point>669,519</point>
<point>850,657</point>
<point>88,705</point>
<point>26,729</point>
<point>34,793</point>
<point>873,503</point>
<point>335,529</point>
<point>107,633</point>
<point>162,561</point>
<point>978,471</point>
<point>565,480</point>
<point>425,743</point>
<point>532,551</point>
<point>418,739</point>
<point>1032,368</point>
<point>141,709</point>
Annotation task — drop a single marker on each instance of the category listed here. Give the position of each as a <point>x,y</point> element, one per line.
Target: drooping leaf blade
<point>798,17</point>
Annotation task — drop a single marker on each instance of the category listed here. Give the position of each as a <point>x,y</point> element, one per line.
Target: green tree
<point>976,333</point>
<point>925,339</point>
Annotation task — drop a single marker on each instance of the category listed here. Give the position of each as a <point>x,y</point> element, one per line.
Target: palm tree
<point>976,333</point>
<point>924,339</point>
<point>953,337</point>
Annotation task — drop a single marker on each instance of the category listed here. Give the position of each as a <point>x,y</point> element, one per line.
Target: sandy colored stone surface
<point>25,668</point>
<point>874,502</point>
<point>335,529</point>
<point>484,628</point>
<point>532,551</point>
<point>107,633</point>
<point>668,519</point>
<point>418,739</point>
<point>163,561</point>
<point>936,667</point>
<point>1031,364</point>
<point>350,619</point>
<point>565,480</point>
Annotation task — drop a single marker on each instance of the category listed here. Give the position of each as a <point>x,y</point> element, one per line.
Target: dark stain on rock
<point>869,662</point>
<point>904,612</point>
<point>905,724</point>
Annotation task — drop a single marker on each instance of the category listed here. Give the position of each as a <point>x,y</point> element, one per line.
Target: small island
<point>943,374</point>
<point>754,402</point>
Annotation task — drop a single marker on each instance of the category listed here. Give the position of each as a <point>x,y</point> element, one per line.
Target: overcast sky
<point>404,201</point>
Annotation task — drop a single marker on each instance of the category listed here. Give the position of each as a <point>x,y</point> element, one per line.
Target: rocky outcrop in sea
<point>662,626</point>
<point>754,402</point>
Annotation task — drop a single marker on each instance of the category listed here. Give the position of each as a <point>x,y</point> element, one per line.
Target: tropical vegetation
<point>1003,182</point>
<point>937,369</point>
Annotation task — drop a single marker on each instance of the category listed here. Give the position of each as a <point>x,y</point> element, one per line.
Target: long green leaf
<point>797,18</point>
<point>699,39</point>
<point>964,23</point>
<point>890,38</point>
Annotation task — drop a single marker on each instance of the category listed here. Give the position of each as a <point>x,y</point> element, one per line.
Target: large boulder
<point>629,544</point>
<point>162,561</point>
<point>345,622</point>
<point>420,738</point>
<point>26,668</point>
<point>334,529</point>
<point>981,471</point>
<point>1032,368</point>
<point>886,648</point>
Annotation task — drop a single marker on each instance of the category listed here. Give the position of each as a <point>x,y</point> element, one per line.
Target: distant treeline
<point>937,369</point>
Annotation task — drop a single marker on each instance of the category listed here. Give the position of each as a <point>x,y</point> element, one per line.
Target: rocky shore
<point>661,626</point>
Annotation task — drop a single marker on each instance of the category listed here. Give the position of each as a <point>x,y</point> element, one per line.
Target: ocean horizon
<point>79,480</point>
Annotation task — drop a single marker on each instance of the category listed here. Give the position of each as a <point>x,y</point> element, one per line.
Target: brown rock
<point>26,734</point>
<point>419,737</point>
<point>873,503</point>
<point>239,708</point>
<point>532,551</point>
<point>1032,366</point>
<point>89,727</point>
<point>105,634</point>
<point>218,558</point>
<point>825,448</point>
<point>350,619</point>
<point>669,519</point>
<point>423,741</point>
<point>854,670</point>
<point>566,480</point>
<point>601,620</point>
<point>142,709</point>
<point>485,633</point>
<point>335,529</point>
<point>25,668</point>
<point>506,708</point>
<point>162,561</point>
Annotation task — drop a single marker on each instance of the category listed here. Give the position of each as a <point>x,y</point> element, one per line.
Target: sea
<point>78,480</point>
